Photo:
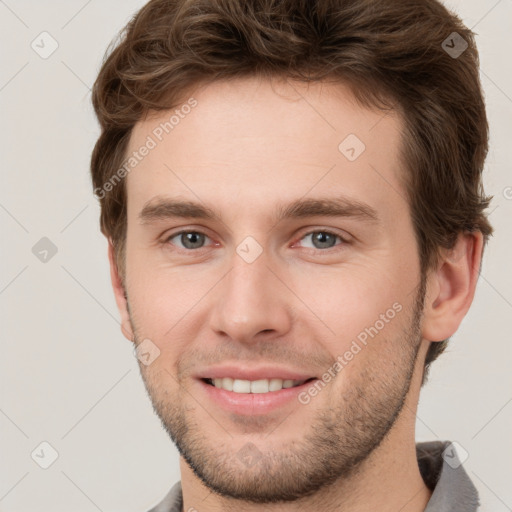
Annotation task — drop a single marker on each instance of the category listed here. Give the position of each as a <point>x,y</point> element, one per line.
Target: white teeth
<point>227,383</point>
<point>275,385</point>
<point>259,386</point>
<point>241,386</point>
<point>255,386</point>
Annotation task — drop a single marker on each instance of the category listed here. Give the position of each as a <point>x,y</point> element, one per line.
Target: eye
<point>323,239</point>
<point>190,240</point>
<point>195,240</point>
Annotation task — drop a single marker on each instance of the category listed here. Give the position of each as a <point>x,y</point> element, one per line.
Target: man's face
<point>253,295</point>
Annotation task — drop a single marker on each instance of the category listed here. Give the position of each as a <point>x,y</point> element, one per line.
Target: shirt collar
<point>443,472</point>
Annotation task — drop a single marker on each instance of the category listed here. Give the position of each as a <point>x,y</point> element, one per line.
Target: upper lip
<point>238,371</point>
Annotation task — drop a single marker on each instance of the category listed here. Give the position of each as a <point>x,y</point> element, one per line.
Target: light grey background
<point>68,376</point>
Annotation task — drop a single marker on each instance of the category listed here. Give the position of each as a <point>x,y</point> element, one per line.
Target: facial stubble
<point>334,446</point>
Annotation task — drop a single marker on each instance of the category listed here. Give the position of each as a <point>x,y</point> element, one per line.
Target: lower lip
<point>253,403</point>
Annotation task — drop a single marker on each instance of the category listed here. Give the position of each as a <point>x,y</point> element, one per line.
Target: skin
<point>246,147</point>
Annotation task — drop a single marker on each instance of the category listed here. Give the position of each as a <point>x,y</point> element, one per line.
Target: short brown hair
<point>393,55</point>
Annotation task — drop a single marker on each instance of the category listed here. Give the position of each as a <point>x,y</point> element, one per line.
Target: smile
<point>254,386</point>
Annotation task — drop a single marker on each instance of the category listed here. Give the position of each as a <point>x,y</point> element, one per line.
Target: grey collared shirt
<point>452,490</point>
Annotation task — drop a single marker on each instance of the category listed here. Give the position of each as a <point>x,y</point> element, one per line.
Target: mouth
<point>261,386</point>
<point>256,397</point>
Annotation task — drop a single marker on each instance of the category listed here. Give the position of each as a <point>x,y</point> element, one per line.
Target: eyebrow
<point>162,208</point>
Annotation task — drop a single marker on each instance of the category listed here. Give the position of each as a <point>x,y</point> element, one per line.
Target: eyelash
<point>325,231</point>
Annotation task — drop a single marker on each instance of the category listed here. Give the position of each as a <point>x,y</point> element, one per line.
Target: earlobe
<point>120,294</point>
<point>451,287</point>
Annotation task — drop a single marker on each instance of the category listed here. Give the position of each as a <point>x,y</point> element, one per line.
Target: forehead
<point>250,142</point>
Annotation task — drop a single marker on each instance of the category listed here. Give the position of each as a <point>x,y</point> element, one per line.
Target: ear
<point>120,294</point>
<point>451,288</point>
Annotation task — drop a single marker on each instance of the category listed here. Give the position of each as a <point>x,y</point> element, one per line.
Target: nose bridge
<point>251,299</point>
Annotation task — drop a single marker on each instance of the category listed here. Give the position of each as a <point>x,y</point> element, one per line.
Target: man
<point>292,196</point>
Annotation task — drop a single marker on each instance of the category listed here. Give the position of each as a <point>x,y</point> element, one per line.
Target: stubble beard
<point>337,441</point>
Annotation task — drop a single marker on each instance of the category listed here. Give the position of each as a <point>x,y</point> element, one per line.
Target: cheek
<point>159,313</point>
<point>345,303</point>
<point>159,304</point>
<point>162,299</point>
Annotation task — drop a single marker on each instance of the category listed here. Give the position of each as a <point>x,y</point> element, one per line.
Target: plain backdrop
<point>68,376</point>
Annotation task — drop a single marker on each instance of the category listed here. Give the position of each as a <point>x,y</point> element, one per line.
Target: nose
<point>252,302</point>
